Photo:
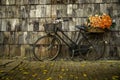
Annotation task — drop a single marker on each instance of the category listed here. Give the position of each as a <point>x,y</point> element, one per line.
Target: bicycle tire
<point>94,51</point>
<point>46,48</point>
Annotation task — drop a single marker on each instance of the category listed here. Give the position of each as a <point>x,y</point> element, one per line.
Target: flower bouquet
<point>98,23</point>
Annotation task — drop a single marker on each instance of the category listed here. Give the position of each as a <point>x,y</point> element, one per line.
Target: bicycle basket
<point>96,30</point>
<point>52,27</point>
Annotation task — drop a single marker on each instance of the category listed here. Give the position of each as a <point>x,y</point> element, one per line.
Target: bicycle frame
<point>71,41</point>
<point>68,44</point>
<point>72,45</point>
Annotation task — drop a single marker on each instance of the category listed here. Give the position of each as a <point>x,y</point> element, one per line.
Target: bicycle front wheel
<point>91,50</point>
<point>46,48</point>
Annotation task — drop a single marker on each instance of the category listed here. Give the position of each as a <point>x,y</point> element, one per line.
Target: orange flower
<point>103,21</point>
<point>106,20</point>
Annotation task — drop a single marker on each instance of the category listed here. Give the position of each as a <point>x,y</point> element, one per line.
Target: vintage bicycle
<point>48,47</point>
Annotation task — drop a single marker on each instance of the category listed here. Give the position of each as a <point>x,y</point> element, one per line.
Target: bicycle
<point>49,46</point>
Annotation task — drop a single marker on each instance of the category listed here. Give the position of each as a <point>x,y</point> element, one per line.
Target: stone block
<point>115,6</point>
<point>88,9</point>
<point>1,51</point>
<point>69,10</point>
<point>116,14</point>
<point>82,1</point>
<point>11,25</point>
<point>32,11</point>
<point>21,2</point>
<point>15,50</point>
<point>89,1</point>
<point>3,26</point>
<point>2,2</point>
<point>43,1</point>
<point>27,52</point>
<point>96,9</point>
<point>13,38</point>
<point>4,51</point>
<point>2,11</point>
<point>99,1</point>
<point>72,1</point>
<point>54,11</point>
<point>78,21</point>
<point>117,27</point>
<point>23,12</point>
<point>1,37</point>
<point>79,13</point>
<point>34,25</point>
<point>64,11</point>
<point>74,6</point>
<point>36,35</point>
<point>61,11</point>
<point>117,40</point>
<point>21,37</point>
<point>10,2</point>
<point>42,21</point>
<point>118,51</point>
<point>23,24</point>
<point>65,26</point>
<point>48,10</point>
<point>41,11</point>
<point>29,38</point>
<point>11,12</point>
<point>8,25</point>
<point>61,1</point>
<point>6,38</point>
<point>0,24</point>
<point>30,25</point>
<point>72,26</point>
<point>118,1</point>
<point>107,1</point>
<point>16,25</point>
<point>33,1</point>
<point>103,8</point>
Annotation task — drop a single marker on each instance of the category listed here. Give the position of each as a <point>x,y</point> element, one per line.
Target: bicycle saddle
<point>81,27</point>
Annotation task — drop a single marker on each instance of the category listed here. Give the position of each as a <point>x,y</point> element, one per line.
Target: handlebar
<point>81,27</point>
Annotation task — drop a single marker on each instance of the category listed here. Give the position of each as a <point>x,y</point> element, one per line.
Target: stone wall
<point>21,21</point>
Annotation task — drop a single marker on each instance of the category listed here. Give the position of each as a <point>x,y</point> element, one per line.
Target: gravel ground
<point>59,70</point>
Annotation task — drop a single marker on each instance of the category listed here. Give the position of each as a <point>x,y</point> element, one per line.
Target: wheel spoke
<point>46,48</point>
<point>95,51</point>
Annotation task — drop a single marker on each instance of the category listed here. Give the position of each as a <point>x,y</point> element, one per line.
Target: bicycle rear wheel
<point>46,48</point>
<point>92,50</point>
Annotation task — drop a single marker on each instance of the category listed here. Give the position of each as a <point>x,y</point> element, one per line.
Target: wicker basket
<point>96,30</point>
<point>51,27</point>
